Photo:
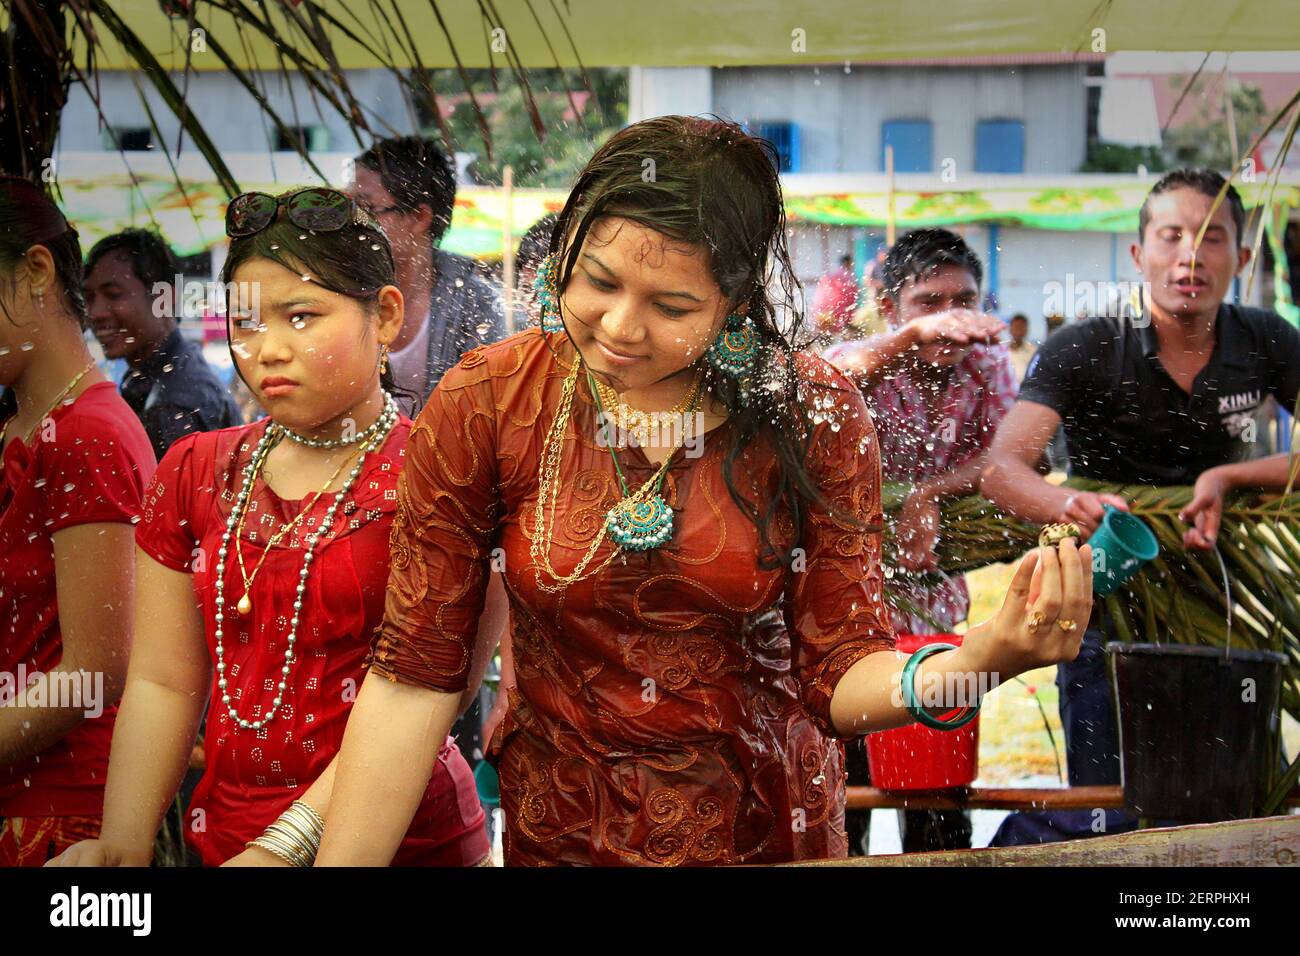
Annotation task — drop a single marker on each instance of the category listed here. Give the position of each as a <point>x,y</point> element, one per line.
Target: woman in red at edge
<point>312,350</point>
<point>74,467</point>
<point>681,685</point>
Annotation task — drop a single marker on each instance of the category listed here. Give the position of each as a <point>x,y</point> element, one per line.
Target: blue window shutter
<point>911,142</point>
<point>785,137</point>
<point>999,146</point>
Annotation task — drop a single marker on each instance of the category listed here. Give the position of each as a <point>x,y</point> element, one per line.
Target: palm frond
<point>154,72</point>
<point>1179,597</point>
<point>42,35</point>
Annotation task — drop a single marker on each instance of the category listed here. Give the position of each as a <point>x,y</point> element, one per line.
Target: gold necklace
<point>644,426</point>
<point>547,488</point>
<point>53,405</point>
<point>547,493</point>
<point>245,605</point>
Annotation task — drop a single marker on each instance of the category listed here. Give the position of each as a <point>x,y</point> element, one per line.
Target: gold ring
<point>1036,619</point>
<point>1066,626</point>
<point>1054,534</point>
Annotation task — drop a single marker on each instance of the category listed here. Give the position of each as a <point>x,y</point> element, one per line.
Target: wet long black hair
<point>709,183</point>
<point>356,261</point>
<point>29,217</point>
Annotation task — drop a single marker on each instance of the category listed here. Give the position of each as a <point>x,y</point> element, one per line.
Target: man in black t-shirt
<point>1165,396</point>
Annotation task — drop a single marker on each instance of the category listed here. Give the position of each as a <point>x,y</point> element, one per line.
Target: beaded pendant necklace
<point>643,520</point>
<point>378,434</point>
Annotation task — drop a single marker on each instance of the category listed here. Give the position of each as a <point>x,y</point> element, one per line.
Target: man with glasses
<point>409,186</point>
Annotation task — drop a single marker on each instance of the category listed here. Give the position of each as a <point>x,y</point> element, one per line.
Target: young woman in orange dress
<point>687,511</point>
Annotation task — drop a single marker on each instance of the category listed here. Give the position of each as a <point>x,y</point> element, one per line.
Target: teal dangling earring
<point>547,288</point>
<point>734,352</point>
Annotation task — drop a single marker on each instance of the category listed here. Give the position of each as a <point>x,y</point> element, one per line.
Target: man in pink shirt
<point>937,384</point>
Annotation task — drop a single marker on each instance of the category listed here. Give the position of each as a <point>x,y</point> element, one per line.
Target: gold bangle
<point>290,848</point>
<point>311,812</point>
<point>292,834</point>
<point>301,822</point>
<point>303,825</point>
<point>274,847</point>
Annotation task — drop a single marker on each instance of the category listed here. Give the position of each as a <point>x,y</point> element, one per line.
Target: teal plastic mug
<point>1120,545</point>
<point>489,795</point>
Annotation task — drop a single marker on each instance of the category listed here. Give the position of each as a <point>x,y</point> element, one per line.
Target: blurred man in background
<point>834,301</point>
<point>1020,350</point>
<point>937,385</point>
<point>169,384</point>
<point>409,186</point>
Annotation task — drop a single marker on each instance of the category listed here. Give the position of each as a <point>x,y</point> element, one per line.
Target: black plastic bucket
<point>1197,729</point>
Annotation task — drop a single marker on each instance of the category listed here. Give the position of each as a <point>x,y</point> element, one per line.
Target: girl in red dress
<point>263,562</point>
<point>74,467</point>
<point>688,511</point>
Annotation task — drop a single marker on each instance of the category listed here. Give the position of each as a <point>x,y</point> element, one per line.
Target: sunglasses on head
<point>317,208</point>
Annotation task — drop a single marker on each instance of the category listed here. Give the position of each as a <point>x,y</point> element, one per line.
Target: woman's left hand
<point>1042,619</point>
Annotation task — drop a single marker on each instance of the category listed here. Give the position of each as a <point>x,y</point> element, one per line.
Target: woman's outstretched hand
<point>94,853</point>
<point>1042,618</point>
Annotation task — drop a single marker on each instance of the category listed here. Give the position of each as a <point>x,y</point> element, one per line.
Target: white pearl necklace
<point>361,436</point>
<point>378,434</point>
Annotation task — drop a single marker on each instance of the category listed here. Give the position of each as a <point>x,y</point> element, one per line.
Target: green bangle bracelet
<point>909,691</point>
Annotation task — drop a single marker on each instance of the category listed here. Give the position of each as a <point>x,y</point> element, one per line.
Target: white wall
<point>229,113</point>
<point>667,90</point>
<point>840,114</point>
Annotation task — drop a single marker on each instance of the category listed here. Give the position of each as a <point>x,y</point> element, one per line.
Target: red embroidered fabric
<point>673,708</point>
<point>89,462</point>
<point>253,775</point>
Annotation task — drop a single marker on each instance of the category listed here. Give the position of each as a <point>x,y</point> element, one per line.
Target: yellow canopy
<point>711,33</point>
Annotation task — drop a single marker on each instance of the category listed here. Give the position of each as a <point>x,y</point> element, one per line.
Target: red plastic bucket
<point>918,758</point>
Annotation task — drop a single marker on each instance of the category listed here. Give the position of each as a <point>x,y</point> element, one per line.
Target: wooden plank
<point>986,798</point>
<point>1268,841</point>
<point>997,798</point>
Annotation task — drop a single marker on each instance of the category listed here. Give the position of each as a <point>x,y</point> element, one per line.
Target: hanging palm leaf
<point>1180,597</point>
<point>39,40</point>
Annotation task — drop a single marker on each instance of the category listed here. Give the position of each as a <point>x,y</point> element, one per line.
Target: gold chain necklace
<point>53,405</point>
<point>245,605</point>
<point>548,489</point>
<point>643,426</point>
